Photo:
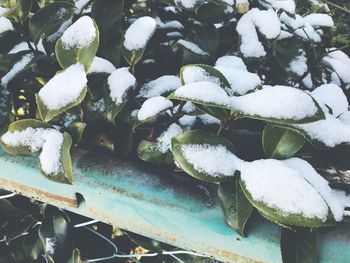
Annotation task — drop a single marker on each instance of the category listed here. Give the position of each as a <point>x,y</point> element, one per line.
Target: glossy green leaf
<point>107,13</point>
<point>47,114</point>
<point>298,246</point>
<point>275,215</point>
<point>197,137</point>
<point>70,56</point>
<point>48,19</point>
<point>236,207</point>
<point>150,152</point>
<point>280,143</point>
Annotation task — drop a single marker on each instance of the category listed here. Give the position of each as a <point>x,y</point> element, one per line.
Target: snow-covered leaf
<point>290,192</point>
<point>160,86</point>
<point>31,137</point>
<point>64,91</point>
<point>152,107</point>
<point>278,104</point>
<point>136,38</point>
<point>78,44</point>
<point>205,156</point>
<point>151,153</point>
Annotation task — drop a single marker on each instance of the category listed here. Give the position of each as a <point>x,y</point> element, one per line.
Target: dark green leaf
<point>19,10</point>
<point>236,207</point>
<point>76,130</point>
<point>280,143</point>
<point>151,152</point>
<point>48,19</point>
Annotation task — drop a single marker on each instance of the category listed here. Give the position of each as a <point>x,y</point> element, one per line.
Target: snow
<point>5,25</point>
<point>345,117</point>
<point>99,106</point>
<point>23,46</point>
<point>119,83</point>
<point>280,102</point>
<point>186,3</point>
<point>286,5</point>
<point>308,33</point>
<point>80,4</point>
<point>266,21</point>
<point>340,63</point>
<point>187,120</point>
<point>152,107</point>
<point>80,34</point>
<point>51,153</point>
<point>231,62</point>
<point>333,96</point>
<point>283,187</point>
<point>101,65</point>
<point>164,140</point>
<point>192,47</point>
<point>64,88</point>
<point>294,23</point>
<point>307,81</point>
<point>336,200</point>
<point>330,131</point>
<point>241,81</point>
<point>139,32</point>
<point>160,86</point>
<point>319,20</point>
<point>193,73</point>
<point>173,24</point>
<point>49,140</point>
<point>298,65</point>
<point>16,68</point>
<point>214,160</point>
<point>53,37</point>
<point>208,119</point>
<point>204,91</point>
<point>3,10</point>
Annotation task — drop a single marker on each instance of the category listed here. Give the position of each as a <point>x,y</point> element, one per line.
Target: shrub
<point>210,87</point>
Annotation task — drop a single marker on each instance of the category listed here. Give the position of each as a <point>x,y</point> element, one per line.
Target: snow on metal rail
<point>167,208</point>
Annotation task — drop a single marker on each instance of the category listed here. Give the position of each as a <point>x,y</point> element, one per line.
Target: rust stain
<point>37,193</point>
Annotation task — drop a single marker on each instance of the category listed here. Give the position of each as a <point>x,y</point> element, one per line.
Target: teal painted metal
<point>171,209</point>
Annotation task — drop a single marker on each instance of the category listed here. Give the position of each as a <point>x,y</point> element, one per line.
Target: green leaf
<point>276,216</point>
<point>107,13</point>
<point>298,246</point>
<point>280,143</point>
<point>70,56</point>
<point>47,114</point>
<point>150,152</point>
<point>20,126</point>
<point>48,19</point>
<point>199,138</point>
<point>134,56</point>
<point>19,10</point>
<point>236,207</point>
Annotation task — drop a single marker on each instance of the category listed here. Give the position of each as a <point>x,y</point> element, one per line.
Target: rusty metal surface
<point>159,205</point>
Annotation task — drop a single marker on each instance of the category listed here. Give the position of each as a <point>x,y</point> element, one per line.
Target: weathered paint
<point>172,209</point>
